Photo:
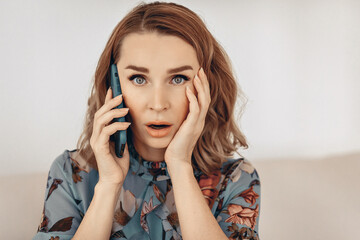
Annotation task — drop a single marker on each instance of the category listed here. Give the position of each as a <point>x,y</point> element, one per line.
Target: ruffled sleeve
<point>62,211</point>
<point>239,203</point>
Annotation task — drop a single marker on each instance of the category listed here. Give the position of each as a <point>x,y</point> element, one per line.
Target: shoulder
<point>238,207</point>
<point>235,168</point>
<point>61,165</point>
<point>69,165</point>
<point>238,175</point>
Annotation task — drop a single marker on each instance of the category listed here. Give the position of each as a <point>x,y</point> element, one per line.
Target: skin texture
<point>156,95</point>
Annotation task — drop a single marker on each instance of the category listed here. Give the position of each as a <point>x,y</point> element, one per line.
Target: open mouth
<point>158,130</point>
<point>158,126</point>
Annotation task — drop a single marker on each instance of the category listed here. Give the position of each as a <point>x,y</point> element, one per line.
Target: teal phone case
<point>119,136</point>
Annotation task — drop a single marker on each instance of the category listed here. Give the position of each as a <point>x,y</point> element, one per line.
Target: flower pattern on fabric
<point>146,206</point>
<point>75,167</point>
<point>242,215</point>
<point>127,207</point>
<point>54,186</point>
<point>208,186</point>
<point>158,194</point>
<point>242,234</point>
<point>249,195</point>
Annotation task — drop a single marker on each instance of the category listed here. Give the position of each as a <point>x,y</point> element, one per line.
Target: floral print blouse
<point>146,207</point>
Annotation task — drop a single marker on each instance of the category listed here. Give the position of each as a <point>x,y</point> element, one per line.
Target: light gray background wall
<point>297,61</point>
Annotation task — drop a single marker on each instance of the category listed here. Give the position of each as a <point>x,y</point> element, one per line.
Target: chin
<point>158,142</point>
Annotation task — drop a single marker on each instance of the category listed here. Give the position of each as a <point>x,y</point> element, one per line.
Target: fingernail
<point>119,96</point>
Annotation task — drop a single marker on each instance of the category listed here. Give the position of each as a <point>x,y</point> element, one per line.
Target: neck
<point>150,155</point>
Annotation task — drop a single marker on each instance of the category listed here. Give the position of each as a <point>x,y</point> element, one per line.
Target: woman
<point>182,184</point>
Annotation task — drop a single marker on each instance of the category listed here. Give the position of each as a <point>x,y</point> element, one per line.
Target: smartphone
<point>120,136</point>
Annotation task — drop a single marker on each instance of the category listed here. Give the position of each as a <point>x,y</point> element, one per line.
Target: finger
<point>110,104</point>
<point>107,117</point>
<point>108,95</point>
<point>200,89</point>
<point>203,99</point>
<point>206,84</point>
<point>110,130</point>
<point>206,97</point>
<point>193,106</point>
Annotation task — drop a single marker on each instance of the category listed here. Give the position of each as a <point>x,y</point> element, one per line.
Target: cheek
<point>133,105</point>
<point>183,110</point>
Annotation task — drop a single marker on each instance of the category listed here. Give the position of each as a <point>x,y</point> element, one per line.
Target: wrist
<point>108,187</point>
<point>179,168</point>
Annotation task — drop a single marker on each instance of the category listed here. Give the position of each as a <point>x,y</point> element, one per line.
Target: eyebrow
<point>172,70</point>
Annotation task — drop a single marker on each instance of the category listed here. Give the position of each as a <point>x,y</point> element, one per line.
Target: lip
<point>158,133</point>
<point>158,123</point>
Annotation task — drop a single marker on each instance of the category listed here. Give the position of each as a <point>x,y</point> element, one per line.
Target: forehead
<point>153,48</point>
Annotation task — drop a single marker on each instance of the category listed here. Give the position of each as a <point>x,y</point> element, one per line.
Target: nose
<point>159,98</point>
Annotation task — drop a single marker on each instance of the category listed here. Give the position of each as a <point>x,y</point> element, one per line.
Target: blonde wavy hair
<point>221,136</point>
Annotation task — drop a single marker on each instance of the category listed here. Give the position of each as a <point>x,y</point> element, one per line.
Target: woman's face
<point>153,92</point>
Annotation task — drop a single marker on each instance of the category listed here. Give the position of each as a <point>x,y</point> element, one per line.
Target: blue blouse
<point>146,205</point>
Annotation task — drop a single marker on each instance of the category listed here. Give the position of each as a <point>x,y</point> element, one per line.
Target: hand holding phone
<point>113,156</point>
<point>112,170</point>
<point>120,137</point>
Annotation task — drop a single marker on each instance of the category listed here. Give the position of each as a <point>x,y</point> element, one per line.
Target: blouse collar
<point>148,170</point>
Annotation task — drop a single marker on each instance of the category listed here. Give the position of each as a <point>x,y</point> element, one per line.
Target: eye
<point>185,78</point>
<point>176,78</point>
<point>134,77</point>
